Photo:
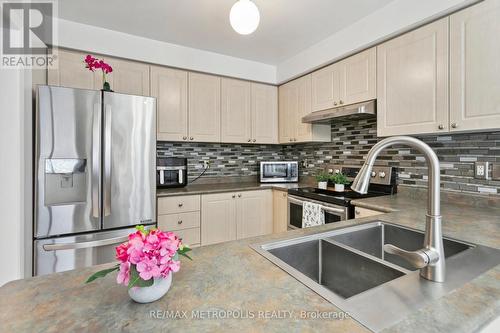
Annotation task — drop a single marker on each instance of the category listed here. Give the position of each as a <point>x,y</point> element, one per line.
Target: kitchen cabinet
<point>181,214</point>
<point>280,211</point>
<point>204,109</point>
<point>170,87</point>
<point>236,111</point>
<point>475,67</point>
<point>360,212</point>
<point>71,72</point>
<point>235,215</point>
<point>412,82</point>
<point>349,81</point>
<point>264,113</point>
<point>128,77</point>
<point>295,103</point>
<point>254,213</point>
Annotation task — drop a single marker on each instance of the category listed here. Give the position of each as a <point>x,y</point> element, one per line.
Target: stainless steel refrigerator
<point>95,174</point>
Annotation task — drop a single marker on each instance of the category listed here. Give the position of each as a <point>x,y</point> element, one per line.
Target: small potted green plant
<point>322,179</point>
<point>340,180</point>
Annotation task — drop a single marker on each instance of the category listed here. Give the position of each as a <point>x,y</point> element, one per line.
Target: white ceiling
<point>286,26</point>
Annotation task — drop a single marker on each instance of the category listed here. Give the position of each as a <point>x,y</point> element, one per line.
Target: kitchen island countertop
<point>232,276</point>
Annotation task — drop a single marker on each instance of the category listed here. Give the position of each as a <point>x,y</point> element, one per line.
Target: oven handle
<point>325,208</point>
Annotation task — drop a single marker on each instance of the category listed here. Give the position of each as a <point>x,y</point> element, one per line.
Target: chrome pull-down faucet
<point>430,259</point>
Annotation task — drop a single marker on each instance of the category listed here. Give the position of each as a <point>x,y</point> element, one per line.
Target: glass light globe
<point>244,17</point>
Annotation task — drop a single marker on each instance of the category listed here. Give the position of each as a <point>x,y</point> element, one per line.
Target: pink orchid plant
<point>93,63</point>
<point>147,255</point>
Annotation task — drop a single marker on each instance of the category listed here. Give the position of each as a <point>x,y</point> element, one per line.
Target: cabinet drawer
<point>179,221</point>
<point>365,212</point>
<point>179,204</point>
<point>189,236</point>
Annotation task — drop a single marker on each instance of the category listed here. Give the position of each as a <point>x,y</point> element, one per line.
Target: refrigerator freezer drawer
<point>66,253</point>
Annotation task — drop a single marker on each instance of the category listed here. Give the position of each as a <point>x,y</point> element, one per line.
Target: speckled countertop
<point>232,276</point>
<point>224,187</point>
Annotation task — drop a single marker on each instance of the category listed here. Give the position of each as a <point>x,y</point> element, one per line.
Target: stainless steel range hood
<point>353,111</point>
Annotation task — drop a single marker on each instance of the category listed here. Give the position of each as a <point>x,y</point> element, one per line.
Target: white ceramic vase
<point>322,185</point>
<point>339,187</point>
<point>152,293</point>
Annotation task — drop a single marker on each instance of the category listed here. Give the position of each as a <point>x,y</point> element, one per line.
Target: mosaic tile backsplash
<point>351,141</point>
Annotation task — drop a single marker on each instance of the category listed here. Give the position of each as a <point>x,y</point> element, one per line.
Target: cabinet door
<point>288,104</point>
<point>72,73</point>
<point>475,67</point>
<point>264,113</point>
<point>325,85</point>
<point>280,211</point>
<point>129,77</point>
<point>359,77</point>
<point>254,214</point>
<point>204,108</point>
<point>170,87</point>
<point>236,111</point>
<point>218,218</point>
<point>303,132</point>
<point>412,82</point>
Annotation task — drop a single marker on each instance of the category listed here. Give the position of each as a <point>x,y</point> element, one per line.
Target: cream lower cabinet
<point>280,211</point>
<point>295,103</point>
<point>475,67</point>
<point>360,212</point>
<point>412,82</point>
<point>181,214</point>
<point>235,215</point>
<point>170,87</point>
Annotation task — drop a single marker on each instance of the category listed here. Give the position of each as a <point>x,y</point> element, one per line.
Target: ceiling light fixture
<point>244,17</point>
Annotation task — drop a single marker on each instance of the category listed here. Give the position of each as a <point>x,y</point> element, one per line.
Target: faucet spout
<point>430,259</point>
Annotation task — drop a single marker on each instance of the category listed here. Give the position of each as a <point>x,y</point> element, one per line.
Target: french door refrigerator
<point>95,175</point>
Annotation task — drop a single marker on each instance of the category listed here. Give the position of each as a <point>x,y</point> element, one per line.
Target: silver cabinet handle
<point>254,140</point>
<point>107,160</point>
<point>357,212</point>
<point>184,138</point>
<point>84,245</point>
<point>284,195</point>
<point>96,160</point>
<point>191,138</point>
<point>341,102</point>
<point>179,222</point>
<point>249,140</point>
<point>335,103</point>
<point>454,125</point>
<point>239,195</point>
<point>441,126</point>
<point>234,196</point>
<point>291,139</point>
<point>180,204</point>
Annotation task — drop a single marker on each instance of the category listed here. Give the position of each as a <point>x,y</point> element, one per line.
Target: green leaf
<point>135,279</point>
<point>102,273</point>
<point>185,255</point>
<point>183,252</point>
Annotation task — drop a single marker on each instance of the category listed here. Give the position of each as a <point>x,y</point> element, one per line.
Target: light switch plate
<point>481,170</point>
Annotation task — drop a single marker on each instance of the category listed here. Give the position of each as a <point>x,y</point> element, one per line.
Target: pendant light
<point>244,17</point>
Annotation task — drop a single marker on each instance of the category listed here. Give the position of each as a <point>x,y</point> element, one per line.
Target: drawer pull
<point>179,222</point>
<point>180,204</point>
<point>357,212</point>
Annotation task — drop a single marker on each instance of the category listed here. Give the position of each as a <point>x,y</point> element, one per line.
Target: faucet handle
<point>419,258</point>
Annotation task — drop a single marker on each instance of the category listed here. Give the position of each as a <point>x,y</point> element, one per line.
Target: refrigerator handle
<point>107,160</point>
<point>96,160</point>
<point>85,245</point>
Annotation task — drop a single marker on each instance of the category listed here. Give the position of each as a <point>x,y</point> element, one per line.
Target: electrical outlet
<point>481,170</point>
<point>206,164</point>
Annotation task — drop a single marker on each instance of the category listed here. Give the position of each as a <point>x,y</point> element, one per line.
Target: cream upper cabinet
<point>264,113</point>
<point>236,108</point>
<point>71,72</point>
<point>326,87</point>
<point>412,82</point>
<point>303,132</point>
<point>218,218</point>
<point>254,213</point>
<point>204,107</point>
<point>128,77</point>
<point>475,67</point>
<point>280,211</point>
<point>358,78</point>
<point>287,111</point>
<point>170,87</point>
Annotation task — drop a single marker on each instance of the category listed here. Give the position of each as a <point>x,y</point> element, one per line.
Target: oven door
<point>275,171</point>
<point>333,213</point>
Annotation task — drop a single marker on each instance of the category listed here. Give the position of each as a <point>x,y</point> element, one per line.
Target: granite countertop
<point>232,276</point>
<point>225,187</point>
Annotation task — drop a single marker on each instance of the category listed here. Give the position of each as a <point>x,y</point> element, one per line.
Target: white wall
<point>99,40</point>
<point>394,18</point>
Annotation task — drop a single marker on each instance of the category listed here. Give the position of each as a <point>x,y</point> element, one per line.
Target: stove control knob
<point>373,174</point>
<point>381,174</point>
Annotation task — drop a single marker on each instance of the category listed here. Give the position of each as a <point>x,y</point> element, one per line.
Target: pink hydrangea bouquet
<point>147,255</point>
<point>92,64</point>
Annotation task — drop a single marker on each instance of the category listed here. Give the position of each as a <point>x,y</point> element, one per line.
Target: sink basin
<point>342,271</point>
<point>348,267</point>
<point>371,240</point>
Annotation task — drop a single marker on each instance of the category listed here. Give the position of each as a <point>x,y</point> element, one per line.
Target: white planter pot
<point>322,185</point>
<point>339,187</point>
<point>152,293</point>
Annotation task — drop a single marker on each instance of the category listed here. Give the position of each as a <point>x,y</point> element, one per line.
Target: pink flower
<point>123,276</point>
<point>93,64</point>
<point>121,252</point>
<point>135,255</point>
<point>174,265</point>
<point>136,240</point>
<point>148,269</point>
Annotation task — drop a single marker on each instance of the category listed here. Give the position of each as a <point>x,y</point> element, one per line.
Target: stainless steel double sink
<point>349,268</point>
